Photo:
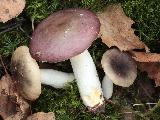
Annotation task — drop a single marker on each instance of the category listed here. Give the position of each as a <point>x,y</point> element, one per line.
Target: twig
<point>10,28</point>
<point>24,32</point>
<point>5,68</point>
<point>32,20</point>
<point>138,105</point>
<point>153,109</point>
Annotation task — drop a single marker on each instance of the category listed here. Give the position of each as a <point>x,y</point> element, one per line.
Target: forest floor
<point>133,102</point>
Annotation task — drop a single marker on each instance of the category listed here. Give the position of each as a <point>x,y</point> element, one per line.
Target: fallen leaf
<point>7,85</point>
<point>152,69</point>
<point>11,104</point>
<point>42,116</point>
<point>7,106</point>
<point>116,29</point>
<point>17,116</point>
<point>145,57</point>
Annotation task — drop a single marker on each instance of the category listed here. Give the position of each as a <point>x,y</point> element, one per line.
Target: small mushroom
<point>119,67</point>
<point>10,9</point>
<point>67,34</point>
<point>107,87</point>
<point>26,71</point>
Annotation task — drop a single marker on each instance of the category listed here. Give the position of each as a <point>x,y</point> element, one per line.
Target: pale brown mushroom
<point>26,71</point>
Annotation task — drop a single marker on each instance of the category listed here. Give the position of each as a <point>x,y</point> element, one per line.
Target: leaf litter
<point>12,105</point>
<point>116,31</point>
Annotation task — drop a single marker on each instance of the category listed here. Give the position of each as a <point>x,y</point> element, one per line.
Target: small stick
<point>5,68</point>
<point>153,109</point>
<point>11,27</point>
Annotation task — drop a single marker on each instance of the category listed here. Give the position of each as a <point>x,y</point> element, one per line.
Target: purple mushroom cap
<point>64,34</point>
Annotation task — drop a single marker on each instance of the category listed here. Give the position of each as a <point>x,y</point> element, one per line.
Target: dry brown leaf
<point>7,106</point>
<point>11,104</point>
<point>116,29</point>
<point>153,70</point>
<point>17,116</point>
<point>7,85</point>
<point>145,57</point>
<point>42,116</point>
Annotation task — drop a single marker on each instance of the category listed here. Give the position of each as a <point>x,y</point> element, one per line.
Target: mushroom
<point>119,67</point>
<point>107,87</point>
<point>10,9</point>
<point>56,79</point>
<point>26,71</point>
<point>67,34</point>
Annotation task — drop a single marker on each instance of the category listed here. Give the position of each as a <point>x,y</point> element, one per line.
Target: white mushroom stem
<point>56,79</point>
<point>107,87</point>
<point>87,79</point>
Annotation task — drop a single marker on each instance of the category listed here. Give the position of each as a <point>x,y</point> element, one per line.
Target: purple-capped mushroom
<point>67,34</point>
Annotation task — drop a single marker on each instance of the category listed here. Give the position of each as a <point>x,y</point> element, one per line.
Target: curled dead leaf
<point>42,116</point>
<point>145,57</point>
<point>7,106</point>
<point>12,106</point>
<point>152,69</point>
<point>7,85</point>
<point>116,29</point>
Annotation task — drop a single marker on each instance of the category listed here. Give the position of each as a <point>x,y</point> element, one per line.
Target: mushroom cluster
<point>67,34</point>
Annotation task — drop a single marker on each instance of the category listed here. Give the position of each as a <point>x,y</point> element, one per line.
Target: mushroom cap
<point>119,67</point>
<point>26,71</point>
<point>64,34</point>
<point>10,9</point>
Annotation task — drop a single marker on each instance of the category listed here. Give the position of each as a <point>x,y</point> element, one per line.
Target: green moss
<point>40,9</point>
<point>67,104</point>
<point>9,41</point>
<point>146,14</point>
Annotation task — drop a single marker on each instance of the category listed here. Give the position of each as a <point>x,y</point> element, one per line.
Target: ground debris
<point>116,29</point>
<point>128,113</point>
<point>145,57</point>
<point>42,116</point>
<point>152,69</point>
<point>12,106</point>
<point>146,89</point>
